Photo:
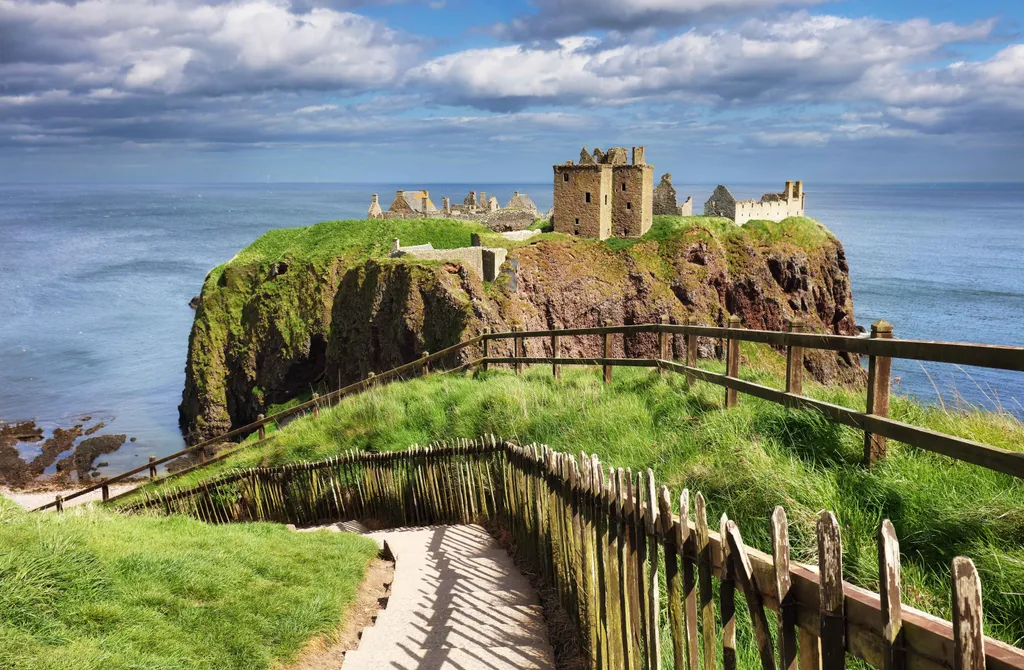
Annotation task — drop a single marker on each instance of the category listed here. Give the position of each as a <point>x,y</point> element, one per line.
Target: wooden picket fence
<point>605,538</point>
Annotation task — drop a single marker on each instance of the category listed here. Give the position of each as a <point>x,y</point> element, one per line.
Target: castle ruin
<point>665,199</point>
<point>604,195</point>
<point>771,206</point>
<point>518,214</point>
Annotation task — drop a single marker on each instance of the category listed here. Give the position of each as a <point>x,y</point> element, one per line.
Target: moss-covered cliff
<point>323,306</point>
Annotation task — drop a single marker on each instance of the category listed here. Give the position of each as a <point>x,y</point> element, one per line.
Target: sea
<point>95,282</point>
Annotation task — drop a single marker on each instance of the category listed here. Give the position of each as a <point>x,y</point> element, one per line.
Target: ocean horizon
<point>97,278</point>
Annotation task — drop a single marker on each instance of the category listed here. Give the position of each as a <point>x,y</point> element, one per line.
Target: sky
<point>462,90</point>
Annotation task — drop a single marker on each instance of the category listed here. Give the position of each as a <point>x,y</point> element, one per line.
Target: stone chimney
<point>482,202</point>
<point>789,190</point>
<point>515,194</point>
<point>799,190</point>
<point>638,156</point>
<point>447,204</point>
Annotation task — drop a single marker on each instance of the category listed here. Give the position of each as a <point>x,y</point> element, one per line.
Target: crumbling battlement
<point>771,206</point>
<point>604,195</point>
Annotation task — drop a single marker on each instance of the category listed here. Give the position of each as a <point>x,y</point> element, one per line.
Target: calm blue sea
<point>95,282</point>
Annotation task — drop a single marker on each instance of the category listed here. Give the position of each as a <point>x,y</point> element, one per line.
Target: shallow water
<point>95,282</point>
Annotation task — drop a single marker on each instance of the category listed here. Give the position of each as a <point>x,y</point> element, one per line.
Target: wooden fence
<point>880,348</point>
<point>604,539</point>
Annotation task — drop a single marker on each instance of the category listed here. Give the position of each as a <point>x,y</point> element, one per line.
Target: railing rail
<point>259,426</point>
<point>881,348</point>
<point>601,536</point>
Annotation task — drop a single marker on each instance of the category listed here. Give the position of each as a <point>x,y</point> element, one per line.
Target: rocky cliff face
<point>265,332</point>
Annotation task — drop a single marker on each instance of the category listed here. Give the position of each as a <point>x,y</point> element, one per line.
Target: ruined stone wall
<point>721,203</point>
<point>574,215</point>
<point>770,209</point>
<point>632,192</point>
<point>665,197</point>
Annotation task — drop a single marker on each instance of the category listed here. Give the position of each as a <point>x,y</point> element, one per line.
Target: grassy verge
<point>745,460</point>
<point>89,589</point>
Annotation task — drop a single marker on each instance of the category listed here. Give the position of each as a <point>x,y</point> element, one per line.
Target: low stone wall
<point>485,261</point>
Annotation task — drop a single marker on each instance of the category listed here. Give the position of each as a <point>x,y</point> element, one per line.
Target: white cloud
<point>181,46</point>
<point>800,58</point>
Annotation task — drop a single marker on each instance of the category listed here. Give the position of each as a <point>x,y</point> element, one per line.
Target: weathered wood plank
<point>787,605</point>
<point>752,594</point>
<point>830,567</point>
<point>968,636</point>
<point>704,568</point>
<point>891,599</point>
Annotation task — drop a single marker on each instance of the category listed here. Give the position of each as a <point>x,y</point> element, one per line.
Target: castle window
<point>629,205</point>
<point>606,198</point>
<point>588,196</point>
<point>623,186</point>
<point>565,176</point>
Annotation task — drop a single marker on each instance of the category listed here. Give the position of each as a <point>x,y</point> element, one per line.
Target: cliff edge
<point>320,307</point>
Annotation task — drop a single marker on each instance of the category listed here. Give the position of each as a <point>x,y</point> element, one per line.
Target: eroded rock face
<point>257,342</point>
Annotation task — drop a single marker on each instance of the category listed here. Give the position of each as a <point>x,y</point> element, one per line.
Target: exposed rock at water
<point>258,341</point>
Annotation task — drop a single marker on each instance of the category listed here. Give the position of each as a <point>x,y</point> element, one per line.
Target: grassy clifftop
<point>86,590</point>
<point>323,306</point>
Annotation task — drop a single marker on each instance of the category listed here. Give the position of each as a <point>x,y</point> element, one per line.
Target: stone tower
<point>604,195</point>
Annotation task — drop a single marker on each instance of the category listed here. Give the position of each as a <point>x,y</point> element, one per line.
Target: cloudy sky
<point>452,90</point>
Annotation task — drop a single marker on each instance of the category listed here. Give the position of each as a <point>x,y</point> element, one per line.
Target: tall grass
<point>88,589</point>
<point>746,460</point>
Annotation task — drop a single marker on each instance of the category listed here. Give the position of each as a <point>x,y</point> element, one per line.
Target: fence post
<point>691,351</point>
<point>316,405</point>
<point>889,592</point>
<point>879,371</point>
<point>795,361</point>
<point>517,350</point>
<point>262,431</point>
<point>556,368</point>
<point>663,343</point>
<point>59,501</point>
<point>832,623</point>
<point>968,636</point>
<point>607,354</point>
<point>152,468</point>
<point>426,363</point>
<point>106,490</point>
<point>732,361</point>
<point>487,349</point>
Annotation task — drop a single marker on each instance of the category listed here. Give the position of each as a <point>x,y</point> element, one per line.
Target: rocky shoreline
<point>73,451</point>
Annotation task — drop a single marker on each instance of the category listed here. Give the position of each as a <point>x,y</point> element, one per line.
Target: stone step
<point>451,658</point>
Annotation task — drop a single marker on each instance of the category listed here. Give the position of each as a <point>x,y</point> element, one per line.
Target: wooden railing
<point>880,348</point>
<point>602,538</point>
<point>259,427</point>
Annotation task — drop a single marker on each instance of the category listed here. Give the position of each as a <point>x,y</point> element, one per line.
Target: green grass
<point>89,589</point>
<point>746,461</point>
<point>800,231</point>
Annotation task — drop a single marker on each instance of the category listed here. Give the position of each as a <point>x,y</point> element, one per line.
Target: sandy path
<point>32,500</point>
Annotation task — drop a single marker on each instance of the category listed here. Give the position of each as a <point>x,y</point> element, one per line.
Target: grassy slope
<point>89,589</point>
<point>745,461</point>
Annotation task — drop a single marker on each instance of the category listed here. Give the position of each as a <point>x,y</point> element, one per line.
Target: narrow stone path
<point>457,603</point>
